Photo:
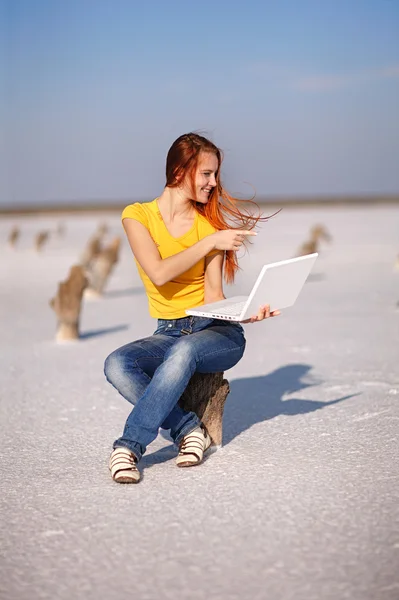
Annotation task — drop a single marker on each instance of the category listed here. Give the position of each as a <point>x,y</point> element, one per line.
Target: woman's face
<point>205,176</point>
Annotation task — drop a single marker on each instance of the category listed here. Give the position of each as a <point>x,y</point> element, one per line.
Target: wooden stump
<point>320,232</point>
<point>308,247</point>
<point>67,304</point>
<point>316,234</point>
<point>40,239</point>
<point>206,395</point>
<point>102,267</point>
<point>13,237</point>
<point>102,229</point>
<point>92,250</point>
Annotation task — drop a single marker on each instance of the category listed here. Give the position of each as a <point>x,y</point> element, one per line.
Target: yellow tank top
<point>169,301</point>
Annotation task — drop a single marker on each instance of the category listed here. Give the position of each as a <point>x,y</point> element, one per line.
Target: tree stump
<point>102,229</point>
<point>67,304</point>
<point>40,239</point>
<point>92,250</point>
<point>13,237</point>
<point>102,267</point>
<point>320,232</point>
<point>317,233</point>
<point>206,395</point>
<point>308,247</point>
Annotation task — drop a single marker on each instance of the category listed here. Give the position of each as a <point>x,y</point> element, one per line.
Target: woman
<point>181,241</point>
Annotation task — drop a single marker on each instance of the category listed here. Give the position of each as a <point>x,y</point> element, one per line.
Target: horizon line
<point>114,205</point>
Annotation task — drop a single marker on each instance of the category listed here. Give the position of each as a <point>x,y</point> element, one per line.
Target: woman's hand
<point>230,239</point>
<point>264,313</point>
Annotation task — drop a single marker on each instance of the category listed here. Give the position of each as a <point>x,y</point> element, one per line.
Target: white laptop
<point>278,284</point>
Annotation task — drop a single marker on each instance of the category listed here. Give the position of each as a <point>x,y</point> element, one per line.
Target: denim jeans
<point>152,374</point>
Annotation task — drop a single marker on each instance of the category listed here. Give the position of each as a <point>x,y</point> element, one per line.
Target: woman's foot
<point>192,447</point>
<point>122,464</point>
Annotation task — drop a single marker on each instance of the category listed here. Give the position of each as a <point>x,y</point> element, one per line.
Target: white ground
<point>302,500</point>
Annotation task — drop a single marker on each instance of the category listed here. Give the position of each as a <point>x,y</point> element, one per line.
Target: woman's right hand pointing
<point>230,239</point>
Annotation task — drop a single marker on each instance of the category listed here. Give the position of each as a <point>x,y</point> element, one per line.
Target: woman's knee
<point>113,366</point>
<point>124,377</point>
<point>213,360</point>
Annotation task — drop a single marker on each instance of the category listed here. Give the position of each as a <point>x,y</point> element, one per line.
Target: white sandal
<point>122,464</point>
<point>192,447</point>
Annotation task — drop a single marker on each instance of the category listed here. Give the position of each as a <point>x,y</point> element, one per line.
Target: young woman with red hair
<point>182,242</point>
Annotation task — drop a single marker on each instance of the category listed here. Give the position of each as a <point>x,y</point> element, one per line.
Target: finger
<point>247,232</point>
<point>253,319</point>
<point>239,239</point>
<point>264,312</point>
<point>261,314</point>
<point>275,313</point>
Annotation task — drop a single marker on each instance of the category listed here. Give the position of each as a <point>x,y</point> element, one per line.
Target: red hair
<point>221,210</point>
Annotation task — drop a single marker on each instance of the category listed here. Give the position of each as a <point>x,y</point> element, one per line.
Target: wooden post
<point>206,395</point>
<point>102,229</point>
<point>92,250</point>
<point>40,240</point>
<point>317,233</point>
<point>102,267</point>
<point>13,237</point>
<point>67,304</point>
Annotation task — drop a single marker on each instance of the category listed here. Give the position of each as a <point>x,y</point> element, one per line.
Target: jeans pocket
<point>201,323</point>
<point>160,329</point>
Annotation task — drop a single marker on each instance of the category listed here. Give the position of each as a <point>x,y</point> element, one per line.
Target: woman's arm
<point>159,270</point>
<point>214,278</point>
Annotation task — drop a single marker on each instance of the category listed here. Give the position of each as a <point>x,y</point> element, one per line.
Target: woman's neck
<point>173,203</point>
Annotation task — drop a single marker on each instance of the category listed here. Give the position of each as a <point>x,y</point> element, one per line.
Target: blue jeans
<point>152,374</point>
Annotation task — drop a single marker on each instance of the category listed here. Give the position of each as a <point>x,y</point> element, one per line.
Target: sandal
<point>122,464</point>
<point>192,447</point>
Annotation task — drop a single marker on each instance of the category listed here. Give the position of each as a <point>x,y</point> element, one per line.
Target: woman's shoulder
<point>138,210</point>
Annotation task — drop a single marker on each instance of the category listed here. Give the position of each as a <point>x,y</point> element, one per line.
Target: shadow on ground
<point>133,291</point>
<point>95,332</point>
<point>256,399</point>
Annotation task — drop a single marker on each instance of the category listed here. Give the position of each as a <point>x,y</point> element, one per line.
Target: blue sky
<point>302,96</point>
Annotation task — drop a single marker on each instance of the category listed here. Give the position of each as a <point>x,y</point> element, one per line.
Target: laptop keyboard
<point>231,309</point>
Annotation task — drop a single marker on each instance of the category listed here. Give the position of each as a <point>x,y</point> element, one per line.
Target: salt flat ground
<point>301,502</point>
